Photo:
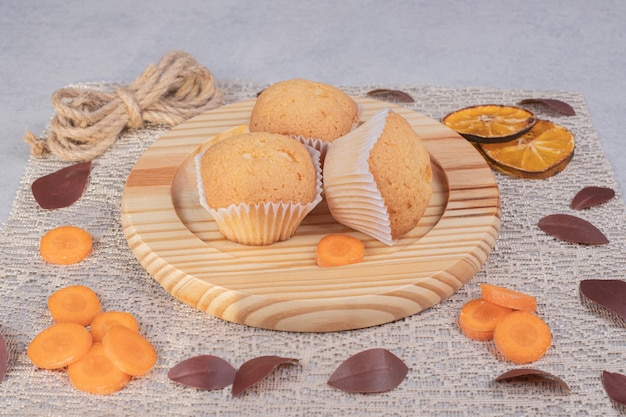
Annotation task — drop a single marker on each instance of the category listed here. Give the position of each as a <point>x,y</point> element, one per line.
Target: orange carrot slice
<point>508,298</point>
<point>129,351</point>
<point>65,245</point>
<point>478,318</point>
<point>522,337</point>
<point>339,249</point>
<point>59,345</point>
<point>95,373</point>
<point>108,319</point>
<point>74,304</point>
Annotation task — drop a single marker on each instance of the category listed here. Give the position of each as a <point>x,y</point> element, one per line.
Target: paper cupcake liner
<point>322,145</point>
<point>349,187</point>
<point>317,144</point>
<point>262,223</point>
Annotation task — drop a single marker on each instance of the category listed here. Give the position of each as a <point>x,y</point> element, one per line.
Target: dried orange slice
<point>544,151</point>
<point>490,123</point>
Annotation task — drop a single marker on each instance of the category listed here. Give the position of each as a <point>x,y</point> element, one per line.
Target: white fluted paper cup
<point>350,190</point>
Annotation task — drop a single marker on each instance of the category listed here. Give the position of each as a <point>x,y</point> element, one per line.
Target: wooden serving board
<point>280,286</point>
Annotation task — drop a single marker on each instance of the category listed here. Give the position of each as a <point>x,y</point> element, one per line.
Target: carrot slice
<point>59,345</point>
<point>478,318</point>
<point>129,351</point>
<point>74,304</point>
<point>96,374</point>
<point>65,245</point>
<point>522,337</point>
<point>107,319</point>
<point>339,249</point>
<point>508,298</point>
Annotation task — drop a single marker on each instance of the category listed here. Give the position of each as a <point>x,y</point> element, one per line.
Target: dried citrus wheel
<point>490,123</point>
<point>544,151</point>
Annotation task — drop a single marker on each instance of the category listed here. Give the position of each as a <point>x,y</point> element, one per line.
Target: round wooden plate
<point>279,286</point>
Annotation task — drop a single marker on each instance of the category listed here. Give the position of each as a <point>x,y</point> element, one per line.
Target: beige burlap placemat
<point>449,374</point>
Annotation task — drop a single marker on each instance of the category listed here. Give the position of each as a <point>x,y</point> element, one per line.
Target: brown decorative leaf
<point>373,370</point>
<point>591,196</point>
<point>558,105</point>
<point>255,370</point>
<point>572,228</point>
<point>204,372</point>
<point>61,188</point>
<point>609,293</point>
<point>529,375</point>
<point>615,386</point>
<point>4,358</point>
<point>395,96</point>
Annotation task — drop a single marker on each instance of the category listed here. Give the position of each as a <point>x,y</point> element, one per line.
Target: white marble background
<point>573,45</point>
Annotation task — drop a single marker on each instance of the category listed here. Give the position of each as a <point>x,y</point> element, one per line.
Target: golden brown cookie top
<point>257,168</point>
<point>304,108</point>
<point>401,168</point>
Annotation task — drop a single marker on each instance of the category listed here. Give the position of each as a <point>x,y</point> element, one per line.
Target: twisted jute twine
<point>88,122</point>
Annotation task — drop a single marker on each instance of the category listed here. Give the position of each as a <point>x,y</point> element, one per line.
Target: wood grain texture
<point>279,286</point>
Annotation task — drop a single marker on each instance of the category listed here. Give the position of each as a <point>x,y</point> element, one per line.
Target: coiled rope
<point>87,122</point>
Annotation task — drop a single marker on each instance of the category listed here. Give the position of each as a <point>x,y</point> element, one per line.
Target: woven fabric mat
<point>449,374</point>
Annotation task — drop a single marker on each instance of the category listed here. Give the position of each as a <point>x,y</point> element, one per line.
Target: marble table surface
<point>572,45</point>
